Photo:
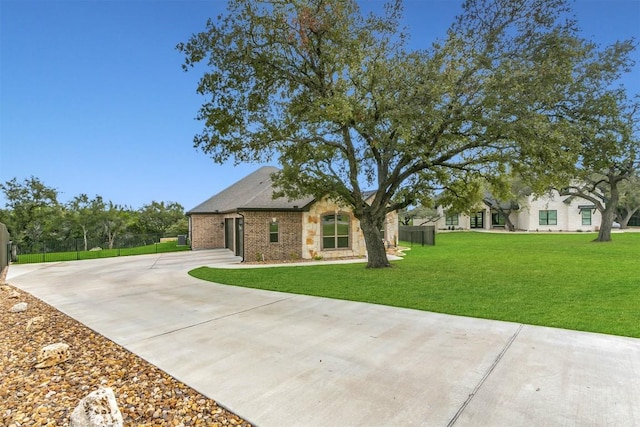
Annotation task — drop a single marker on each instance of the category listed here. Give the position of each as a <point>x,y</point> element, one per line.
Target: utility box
<point>182,239</point>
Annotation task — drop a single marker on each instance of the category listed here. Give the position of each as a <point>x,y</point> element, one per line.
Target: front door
<point>239,237</point>
<point>477,220</point>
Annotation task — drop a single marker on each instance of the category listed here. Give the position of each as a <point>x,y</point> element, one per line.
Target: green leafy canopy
<point>340,101</point>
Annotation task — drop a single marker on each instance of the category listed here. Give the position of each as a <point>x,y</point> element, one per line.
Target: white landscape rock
<point>19,307</point>
<point>52,354</point>
<point>97,409</point>
<point>35,323</point>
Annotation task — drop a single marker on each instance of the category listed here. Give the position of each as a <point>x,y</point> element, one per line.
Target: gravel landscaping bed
<point>31,396</point>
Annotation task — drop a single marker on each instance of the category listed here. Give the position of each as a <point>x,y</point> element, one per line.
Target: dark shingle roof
<point>253,192</point>
<point>367,194</point>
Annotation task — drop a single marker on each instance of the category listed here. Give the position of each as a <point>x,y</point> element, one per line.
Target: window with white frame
<point>274,232</point>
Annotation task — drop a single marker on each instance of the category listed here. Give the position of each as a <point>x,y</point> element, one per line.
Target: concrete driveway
<point>289,360</point>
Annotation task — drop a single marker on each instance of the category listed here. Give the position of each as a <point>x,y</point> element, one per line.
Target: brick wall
<point>256,236</point>
<point>207,231</point>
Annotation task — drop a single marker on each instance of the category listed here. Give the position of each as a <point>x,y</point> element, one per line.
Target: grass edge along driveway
<point>557,280</point>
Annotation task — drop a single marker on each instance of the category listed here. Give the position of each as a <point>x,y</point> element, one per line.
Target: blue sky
<point>93,98</point>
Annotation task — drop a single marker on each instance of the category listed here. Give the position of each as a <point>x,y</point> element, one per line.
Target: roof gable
<point>253,192</point>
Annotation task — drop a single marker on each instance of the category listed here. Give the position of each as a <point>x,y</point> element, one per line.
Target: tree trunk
<point>509,224</point>
<point>609,214</point>
<point>376,253</point>
<point>14,252</point>
<point>507,220</point>
<point>84,238</point>
<point>604,235</point>
<point>624,219</point>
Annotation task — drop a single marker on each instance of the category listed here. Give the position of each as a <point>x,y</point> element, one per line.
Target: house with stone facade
<point>549,212</point>
<point>248,220</point>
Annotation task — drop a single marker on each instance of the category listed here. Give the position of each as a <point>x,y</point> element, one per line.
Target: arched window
<point>335,231</point>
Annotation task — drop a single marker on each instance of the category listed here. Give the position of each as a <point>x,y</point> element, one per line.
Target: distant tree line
<point>33,214</point>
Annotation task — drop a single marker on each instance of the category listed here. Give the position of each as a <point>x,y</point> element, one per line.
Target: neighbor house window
<point>586,217</point>
<point>548,217</point>
<point>273,232</point>
<point>498,219</point>
<point>335,231</point>
<point>451,219</point>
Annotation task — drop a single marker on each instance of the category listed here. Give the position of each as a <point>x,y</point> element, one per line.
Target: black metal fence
<point>76,249</point>
<point>422,235</point>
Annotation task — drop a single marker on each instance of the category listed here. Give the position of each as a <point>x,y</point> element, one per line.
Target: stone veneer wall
<point>300,233</point>
<point>207,230</point>
<point>391,229</point>
<point>257,246</point>
<point>312,232</point>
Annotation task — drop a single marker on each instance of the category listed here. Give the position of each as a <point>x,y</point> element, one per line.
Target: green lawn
<point>558,280</point>
<point>103,253</point>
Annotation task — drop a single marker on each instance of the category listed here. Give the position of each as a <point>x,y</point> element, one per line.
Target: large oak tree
<point>610,153</point>
<point>344,106</point>
<point>158,217</point>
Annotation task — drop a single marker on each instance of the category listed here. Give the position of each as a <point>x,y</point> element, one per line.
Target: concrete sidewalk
<point>280,359</point>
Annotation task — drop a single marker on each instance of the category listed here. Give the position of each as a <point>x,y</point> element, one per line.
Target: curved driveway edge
<point>280,359</point>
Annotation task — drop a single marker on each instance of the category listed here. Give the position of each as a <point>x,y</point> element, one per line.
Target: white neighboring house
<point>551,212</point>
